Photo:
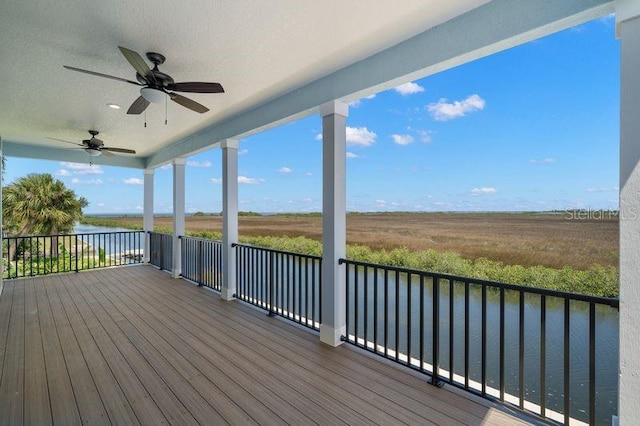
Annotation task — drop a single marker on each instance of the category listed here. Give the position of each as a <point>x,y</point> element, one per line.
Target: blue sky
<point>532,128</point>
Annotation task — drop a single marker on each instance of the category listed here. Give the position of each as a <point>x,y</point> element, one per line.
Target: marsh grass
<point>540,250</point>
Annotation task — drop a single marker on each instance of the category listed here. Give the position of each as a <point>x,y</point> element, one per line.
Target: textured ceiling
<point>257,49</point>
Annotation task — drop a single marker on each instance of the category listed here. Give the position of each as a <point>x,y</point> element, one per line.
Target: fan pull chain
<point>166,102</point>
<point>145,118</point>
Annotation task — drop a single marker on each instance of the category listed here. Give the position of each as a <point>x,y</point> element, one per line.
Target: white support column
<point>229,216</point>
<point>147,216</point>
<point>628,29</point>
<point>334,241</point>
<point>178,214</point>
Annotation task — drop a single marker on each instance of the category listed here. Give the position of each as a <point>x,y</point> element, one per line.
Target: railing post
<point>435,282</point>
<point>271,283</point>
<point>76,250</point>
<point>199,263</point>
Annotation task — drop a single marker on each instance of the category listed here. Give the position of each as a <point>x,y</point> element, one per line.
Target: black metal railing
<point>202,261</point>
<point>283,283</point>
<point>161,250</point>
<point>34,255</point>
<point>549,353</point>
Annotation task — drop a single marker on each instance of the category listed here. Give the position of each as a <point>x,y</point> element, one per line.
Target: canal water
<point>113,241</point>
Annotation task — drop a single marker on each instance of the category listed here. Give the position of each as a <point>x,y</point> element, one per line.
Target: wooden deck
<point>131,345</point>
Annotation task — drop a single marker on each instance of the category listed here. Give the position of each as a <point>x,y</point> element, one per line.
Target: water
<point>112,240</point>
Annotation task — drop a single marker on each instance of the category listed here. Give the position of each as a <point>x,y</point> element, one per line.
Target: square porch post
<point>147,216</point>
<point>229,216</point>
<point>334,118</point>
<point>628,29</point>
<point>178,214</point>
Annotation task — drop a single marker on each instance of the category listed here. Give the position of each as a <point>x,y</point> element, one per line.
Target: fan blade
<point>138,106</point>
<point>138,63</point>
<point>188,103</point>
<point>196,87</point>
<point>105,152</point>
<point>122,150</point>
<point>61,140</point>
<point>102,75</point>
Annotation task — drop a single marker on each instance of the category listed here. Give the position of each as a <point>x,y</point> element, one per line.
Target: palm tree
<point>40,204</point>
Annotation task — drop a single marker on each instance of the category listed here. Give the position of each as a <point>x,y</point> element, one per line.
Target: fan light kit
<point>157,86</point>
<point>153,95</point>
<point>93,152</point>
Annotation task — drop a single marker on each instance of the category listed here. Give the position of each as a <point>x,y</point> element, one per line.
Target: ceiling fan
<point>95,147</point>
<point>156,85</point>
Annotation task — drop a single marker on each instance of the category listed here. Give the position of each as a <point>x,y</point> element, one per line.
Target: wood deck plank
<point>193,402</point>
<point>246,360</point>
<point>90,405</point>
<point>12,385</point>
<point>5,314</point>
<point>115,402</point>
<point>282,409</point>
<point>174,411</point>
<point>64,408</point>
<point>147,348</point>
<point>147,412</point>
<point>37,409</point>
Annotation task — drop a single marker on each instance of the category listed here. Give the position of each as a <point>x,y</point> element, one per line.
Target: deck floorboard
<point>131,345</point>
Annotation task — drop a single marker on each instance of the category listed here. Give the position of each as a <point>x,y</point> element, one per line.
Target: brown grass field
<point>553,240</point>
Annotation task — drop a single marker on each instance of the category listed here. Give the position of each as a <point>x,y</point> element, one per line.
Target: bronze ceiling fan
<point>156,85</point>
<point>95,147</point>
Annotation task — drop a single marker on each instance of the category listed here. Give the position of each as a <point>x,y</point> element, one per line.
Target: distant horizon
<point>248,212</point>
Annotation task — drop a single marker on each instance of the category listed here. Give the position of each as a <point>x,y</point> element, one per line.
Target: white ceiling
<point>259,50</point>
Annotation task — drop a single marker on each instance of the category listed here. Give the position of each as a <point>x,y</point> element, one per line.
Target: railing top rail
<point>610,301</point>
<point>308,256</point>
<point>8,237</point>
<point>200,239</point>
<point>159,233</point>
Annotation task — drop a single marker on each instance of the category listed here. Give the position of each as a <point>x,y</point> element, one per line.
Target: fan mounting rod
<point>156,58</point>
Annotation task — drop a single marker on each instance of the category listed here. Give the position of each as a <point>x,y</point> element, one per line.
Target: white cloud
<point>133,181</point>
<point>82,169</point>
<point>425,136</point>
<point>381,202</point>
<point>402,139</point>
<point>603,189</point>
<point>443,111</point>
<point>249,181</point>
<point>165,167</point>
<point>243,151</point>
<point>194,163</point>
<point>483,191</point>
<point>409,89</point>
<point>285,170</point>
<point>356,103</point>
<point>241,180</point>
<point>308,174</point>
<point>547,160</point>
<point>351,155</point>
<point>318,137</point>
<point>78,181</point>
<point>360,136</point>
<point>139,207</point>
<point>63,172</point>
